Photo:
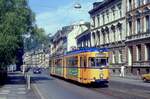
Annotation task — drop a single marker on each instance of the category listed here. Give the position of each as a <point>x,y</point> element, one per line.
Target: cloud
<point>53,20</point>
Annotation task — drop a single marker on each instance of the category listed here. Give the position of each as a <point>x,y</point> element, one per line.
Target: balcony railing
<point>138,36</point>
<point>141,64</point>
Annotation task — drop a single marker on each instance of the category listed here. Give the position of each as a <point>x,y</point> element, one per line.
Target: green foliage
<point>16,19</point>
<point>39,34</point>
<point>38,37</point>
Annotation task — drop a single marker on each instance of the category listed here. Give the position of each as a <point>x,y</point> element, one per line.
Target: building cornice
<point>138,8</point>
<point>102,6</point>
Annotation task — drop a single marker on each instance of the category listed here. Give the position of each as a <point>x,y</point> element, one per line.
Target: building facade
<point>84,39</point>
<point>138,36</point>
<point>59,40</point>
<point>65,39</point>
<point>108,29</point>
<point>71,38</point>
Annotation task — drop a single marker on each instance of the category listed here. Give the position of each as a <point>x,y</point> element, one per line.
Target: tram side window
<point>58,62</point>
<point>67,62</point>
<point>72,61</point>
<point>75,61</point>
<point>83,61</point>
<point>91,62</point>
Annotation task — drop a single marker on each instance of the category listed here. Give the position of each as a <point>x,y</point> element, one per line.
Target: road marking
<point>38,91</point>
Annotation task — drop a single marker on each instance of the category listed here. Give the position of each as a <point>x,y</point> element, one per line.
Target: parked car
<point>146,77</point>
<point>37,70</point>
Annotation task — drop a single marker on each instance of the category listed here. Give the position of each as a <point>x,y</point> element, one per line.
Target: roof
<point>101,5</point>
<point>83,50</point>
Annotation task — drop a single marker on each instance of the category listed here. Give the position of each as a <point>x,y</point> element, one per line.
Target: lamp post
<point>24,36</point>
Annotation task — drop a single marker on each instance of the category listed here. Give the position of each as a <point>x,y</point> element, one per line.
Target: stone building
<point>138,36</point>
<point>65,39</point>
<point>77,30</point>
<point>84,39</point>
<point>59,40</point>
<point>108,29</point>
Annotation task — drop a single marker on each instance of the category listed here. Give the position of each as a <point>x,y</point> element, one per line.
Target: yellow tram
<point>86,66</point>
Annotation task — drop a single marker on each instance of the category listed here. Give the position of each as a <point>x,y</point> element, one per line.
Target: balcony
<point>138,36</point>
<point>141,64</point>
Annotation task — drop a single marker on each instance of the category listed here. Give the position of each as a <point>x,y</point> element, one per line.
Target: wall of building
<point>71,38</point>
<point>138,36</point>
<point>109,30</point>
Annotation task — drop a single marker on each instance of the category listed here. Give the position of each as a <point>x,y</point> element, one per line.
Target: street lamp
<point>77,5</point>
<point>24,37</point>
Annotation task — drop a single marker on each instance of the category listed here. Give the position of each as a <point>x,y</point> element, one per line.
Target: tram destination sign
<point>101,55</point>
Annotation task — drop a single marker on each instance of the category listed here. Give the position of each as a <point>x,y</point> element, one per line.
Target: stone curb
<point>127,77</point>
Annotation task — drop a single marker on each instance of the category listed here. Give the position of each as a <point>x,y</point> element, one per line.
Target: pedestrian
<point>122,71</point>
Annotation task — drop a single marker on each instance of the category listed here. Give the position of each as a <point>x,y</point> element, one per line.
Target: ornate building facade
<point>108,30</point>
<point>84,39</point>
<point>138,36</point>
<point>59,40</point>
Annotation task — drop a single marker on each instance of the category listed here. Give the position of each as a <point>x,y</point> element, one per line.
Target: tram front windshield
<point>98,62</point>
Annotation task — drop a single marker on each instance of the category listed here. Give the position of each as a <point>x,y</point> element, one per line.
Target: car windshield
<point>97,62</point>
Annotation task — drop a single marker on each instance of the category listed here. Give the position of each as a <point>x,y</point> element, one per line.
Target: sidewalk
<point>130,80</point>
<point>128,76</point>
<point>16,88</point>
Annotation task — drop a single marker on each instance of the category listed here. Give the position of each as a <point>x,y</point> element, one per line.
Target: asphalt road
<point>53,88</point>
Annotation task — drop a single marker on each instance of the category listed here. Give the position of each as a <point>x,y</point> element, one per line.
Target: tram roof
<point>82,50</point>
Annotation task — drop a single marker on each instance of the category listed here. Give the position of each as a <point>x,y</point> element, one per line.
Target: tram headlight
<point>101,75</point>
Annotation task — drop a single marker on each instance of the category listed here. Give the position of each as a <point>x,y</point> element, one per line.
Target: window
<point>113,12</point>
<point>83,62</point>
<point>59,62</point>
<point>139,26</point>
<point>130,4</point>
<point>93,19</point>
<point>113,57</point>
<point>104,38</point>
<point>98,20</point>
<point>97,62</point>
<point>138,3</point>
<point>139,56</point>
<point>130,28</point>
<point>72,61</point>
<point>147,71</point>
<point>120,12</point>
<point>148,51</point>
<point>147,23</point>
<point>120,56</point>
<point>107,14</point>
<point>103,16</point>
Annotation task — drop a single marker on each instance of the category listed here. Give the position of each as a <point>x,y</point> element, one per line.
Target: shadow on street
<point>15,78</point>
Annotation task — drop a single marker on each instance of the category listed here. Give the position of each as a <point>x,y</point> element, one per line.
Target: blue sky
<point>54,14</point>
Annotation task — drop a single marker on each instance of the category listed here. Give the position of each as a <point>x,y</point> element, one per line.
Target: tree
<point>16,19</point>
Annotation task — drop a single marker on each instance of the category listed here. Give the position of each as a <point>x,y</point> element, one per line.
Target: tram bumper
<point>103,81</point>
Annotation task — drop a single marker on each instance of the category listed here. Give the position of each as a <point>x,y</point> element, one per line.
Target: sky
<point>52,15</point>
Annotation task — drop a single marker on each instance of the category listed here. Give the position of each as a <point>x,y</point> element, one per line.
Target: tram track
<point>123,93</point>
<point>120,90</point>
